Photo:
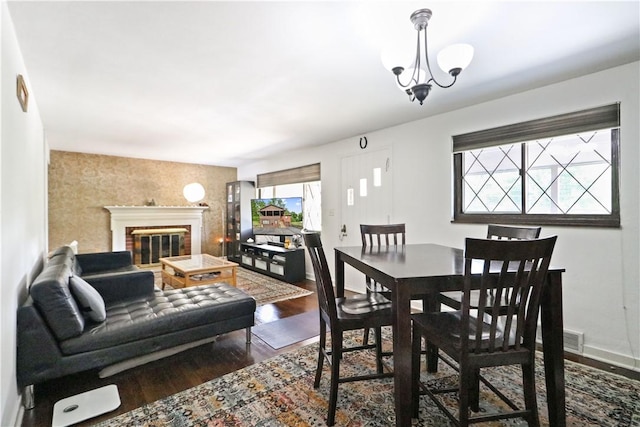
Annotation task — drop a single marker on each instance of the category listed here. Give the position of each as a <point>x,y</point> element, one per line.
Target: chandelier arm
<point>415,76</point>
<point>400,83</point>
<point>426,55</point>
<point>416,63</point>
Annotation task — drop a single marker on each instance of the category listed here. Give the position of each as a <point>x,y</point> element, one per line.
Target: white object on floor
<point>83,406</point>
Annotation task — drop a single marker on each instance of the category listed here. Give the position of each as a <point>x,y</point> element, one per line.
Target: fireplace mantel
<point>146,216</point>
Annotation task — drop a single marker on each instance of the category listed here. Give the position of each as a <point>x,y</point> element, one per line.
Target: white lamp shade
<point>193,192</point>
<point>400,51</point>
<point>455,56</point>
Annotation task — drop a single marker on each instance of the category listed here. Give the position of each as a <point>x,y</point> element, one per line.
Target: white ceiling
<point>225,83</point>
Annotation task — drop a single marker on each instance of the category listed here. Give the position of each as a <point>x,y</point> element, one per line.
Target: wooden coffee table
<point>194,270</point>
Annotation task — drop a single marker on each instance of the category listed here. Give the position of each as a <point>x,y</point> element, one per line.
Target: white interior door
<point>366,193</point>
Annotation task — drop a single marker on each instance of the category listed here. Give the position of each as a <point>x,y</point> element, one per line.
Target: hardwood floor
<point>162,378</point>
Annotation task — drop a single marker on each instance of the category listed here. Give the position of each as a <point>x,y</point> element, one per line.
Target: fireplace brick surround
<point>124,219</point>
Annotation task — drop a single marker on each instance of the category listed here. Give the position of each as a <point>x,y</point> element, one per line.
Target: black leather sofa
<point>54,338</point>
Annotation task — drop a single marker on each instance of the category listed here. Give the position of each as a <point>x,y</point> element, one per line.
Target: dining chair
<point>516,267</point>
<point>453,299</point>
<point>362,311</point>
<point>381,236</point>
<point>377,236</point>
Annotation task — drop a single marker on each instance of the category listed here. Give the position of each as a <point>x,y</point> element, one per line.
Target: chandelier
<point>452,59</point>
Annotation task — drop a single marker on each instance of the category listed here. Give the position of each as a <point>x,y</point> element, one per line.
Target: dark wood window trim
<point>593,119</point>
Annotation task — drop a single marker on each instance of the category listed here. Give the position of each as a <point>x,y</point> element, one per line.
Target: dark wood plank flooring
<point>162,378</point>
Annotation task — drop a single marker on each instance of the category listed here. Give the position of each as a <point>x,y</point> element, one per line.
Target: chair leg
<point>365,337</point>
<point>321,345</point>
<point>378,331</point>
<point>416,351</point>
<point>474,391</point>
<point>431,306</point>
<point>466,378</point>
<point>530,400</point>
<point>336,355</point>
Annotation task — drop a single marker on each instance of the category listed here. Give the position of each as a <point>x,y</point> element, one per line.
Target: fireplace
<point>149,244</point>
<point>163,224</point>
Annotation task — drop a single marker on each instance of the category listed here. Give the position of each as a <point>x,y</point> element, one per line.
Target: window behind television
<point>310,192</point>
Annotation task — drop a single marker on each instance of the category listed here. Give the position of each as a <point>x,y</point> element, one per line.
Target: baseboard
<point>18,413</point>
<point>617,359</point>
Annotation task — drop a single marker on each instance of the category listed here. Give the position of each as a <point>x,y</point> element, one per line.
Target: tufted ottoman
<point>164,314</point>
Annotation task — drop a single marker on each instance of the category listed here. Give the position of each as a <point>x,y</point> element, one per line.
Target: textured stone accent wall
<point>80,185</point>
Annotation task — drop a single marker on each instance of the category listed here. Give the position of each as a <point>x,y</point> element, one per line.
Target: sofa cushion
<point>162,313</point>
<point>88,299</point>
<point>65,255</point>
<point>51,294</point>
<point>103,262</point>
<point>123,270</point>
<point>62,251</point>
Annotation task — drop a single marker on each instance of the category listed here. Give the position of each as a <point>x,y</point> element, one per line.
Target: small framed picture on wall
<point>22,93</point>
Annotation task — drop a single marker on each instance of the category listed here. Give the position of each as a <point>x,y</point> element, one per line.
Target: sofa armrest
<point>118,287</point>
<point>104,261</point>
<point>38,354</point>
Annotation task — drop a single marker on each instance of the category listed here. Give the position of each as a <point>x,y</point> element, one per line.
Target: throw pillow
<point>89,300</point>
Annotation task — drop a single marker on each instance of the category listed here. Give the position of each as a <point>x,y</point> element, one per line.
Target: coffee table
<point>194,270</point>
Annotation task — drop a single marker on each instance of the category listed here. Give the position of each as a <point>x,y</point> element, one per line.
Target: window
<point>561,170</point>
<point>302,182</point>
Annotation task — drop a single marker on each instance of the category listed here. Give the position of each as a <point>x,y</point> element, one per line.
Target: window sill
<point>608,221</point>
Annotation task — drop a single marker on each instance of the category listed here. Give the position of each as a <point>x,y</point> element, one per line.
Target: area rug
<point>279,392</point>
<point>290,330</point>
<point>265,289</point>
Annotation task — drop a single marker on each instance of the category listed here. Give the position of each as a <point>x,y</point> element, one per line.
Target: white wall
<point>601,285</point>
<point>23,209</point>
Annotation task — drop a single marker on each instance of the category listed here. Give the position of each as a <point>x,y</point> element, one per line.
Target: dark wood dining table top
<point>411,261</point>
<point>425,265</point>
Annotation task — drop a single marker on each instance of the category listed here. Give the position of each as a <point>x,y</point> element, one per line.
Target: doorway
<point>366,198</point>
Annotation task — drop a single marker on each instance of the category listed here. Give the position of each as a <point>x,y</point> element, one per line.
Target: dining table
<point>421,272</point>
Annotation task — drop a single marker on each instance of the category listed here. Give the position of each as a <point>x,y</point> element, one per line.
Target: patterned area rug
<point>279,392</point>
<point>264,289</point>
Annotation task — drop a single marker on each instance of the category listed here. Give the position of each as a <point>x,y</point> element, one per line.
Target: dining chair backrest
<point>517,268</point>
<point>501,232</point>
<point>382,235</point>
<point>324,284</point>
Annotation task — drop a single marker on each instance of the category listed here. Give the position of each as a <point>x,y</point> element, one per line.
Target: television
<point>277,216</point>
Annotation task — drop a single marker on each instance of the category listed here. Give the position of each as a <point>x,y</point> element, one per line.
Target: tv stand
<point>274,261</point>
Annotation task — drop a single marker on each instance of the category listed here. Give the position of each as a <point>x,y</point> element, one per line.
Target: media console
<point>274,261</point>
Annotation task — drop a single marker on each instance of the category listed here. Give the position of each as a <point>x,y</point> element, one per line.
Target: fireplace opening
<point>149,244</point>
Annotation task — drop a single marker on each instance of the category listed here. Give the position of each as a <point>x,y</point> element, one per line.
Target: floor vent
<point>573,341</point>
